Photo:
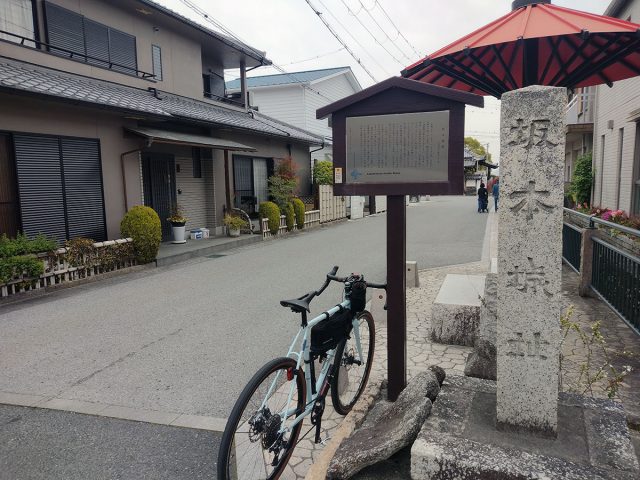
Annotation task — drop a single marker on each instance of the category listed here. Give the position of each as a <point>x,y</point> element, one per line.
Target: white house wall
<point>333,88</point>
<point>284,103</point>
<point>615,104</point>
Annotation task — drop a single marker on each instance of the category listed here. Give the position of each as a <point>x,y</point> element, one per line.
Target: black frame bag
<point>327,334</point>
<point>358,294</point>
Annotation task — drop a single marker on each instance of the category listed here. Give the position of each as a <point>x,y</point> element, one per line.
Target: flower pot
<point>233,232</point>
<point>178,231</point>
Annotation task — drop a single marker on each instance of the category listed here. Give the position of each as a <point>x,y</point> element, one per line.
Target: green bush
<point>290,216</point>
<point>21,245</point>
<point>281,190</point>
<point>323,173</point>
<point>20,266</point>
<point>143,225</point>
<point>298,208</point>
<point>270,211</point>
<point>582,179</point>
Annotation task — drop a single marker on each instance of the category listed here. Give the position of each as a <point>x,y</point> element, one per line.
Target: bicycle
<point>268,415</point>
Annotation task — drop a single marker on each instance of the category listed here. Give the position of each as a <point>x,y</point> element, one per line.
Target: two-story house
<point>295,97</point>
<point>616,133</point>
<point>109,104</point>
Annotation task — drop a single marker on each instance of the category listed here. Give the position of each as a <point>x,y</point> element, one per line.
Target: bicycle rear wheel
<point>353,371</point>
<point>251,446</point>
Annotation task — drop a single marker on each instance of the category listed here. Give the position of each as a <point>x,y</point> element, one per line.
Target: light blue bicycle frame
<point>304,354</point>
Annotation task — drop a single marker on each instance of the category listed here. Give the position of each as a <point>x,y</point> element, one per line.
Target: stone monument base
<point>460,440</point>
<point>455,313</point>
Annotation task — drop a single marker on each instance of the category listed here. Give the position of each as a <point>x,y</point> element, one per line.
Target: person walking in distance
<point>496,193</point>
<point>483,198</point>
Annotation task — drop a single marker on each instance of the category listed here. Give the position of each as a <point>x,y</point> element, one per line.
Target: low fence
<point>331,208</point>
<point>58,267</point>
<point>608,263</point>
<point>311,219</point>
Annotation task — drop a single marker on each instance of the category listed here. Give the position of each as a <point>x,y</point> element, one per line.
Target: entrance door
<point>160,187</point>
<point>8,190</point>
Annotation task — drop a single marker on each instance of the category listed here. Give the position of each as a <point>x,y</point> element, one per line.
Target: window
<point>16,16</point>
<point>602,152</point>
<point>156,59</point>
<point>60,186</point>
<point>214,86</point>
<point>83,39</point>
<point>619,169</point>
<point>197,162</point>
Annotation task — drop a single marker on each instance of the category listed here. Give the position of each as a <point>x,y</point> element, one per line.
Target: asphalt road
<point>187,338</point>
<point>53,445</point>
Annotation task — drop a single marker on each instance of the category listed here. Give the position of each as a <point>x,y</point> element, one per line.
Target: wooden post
<point>396,295</point>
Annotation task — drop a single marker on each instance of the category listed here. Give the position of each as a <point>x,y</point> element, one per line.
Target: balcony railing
<point>580,109</point>
<point>81,57</point>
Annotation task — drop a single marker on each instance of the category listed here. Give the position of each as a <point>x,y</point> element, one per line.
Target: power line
<point>369,31</point>
<point>383,30</point>
<point>314,58</point>
<point>364,49</point>
<point>342,42</point>
<point>199,11</point>
<point>397,29</point>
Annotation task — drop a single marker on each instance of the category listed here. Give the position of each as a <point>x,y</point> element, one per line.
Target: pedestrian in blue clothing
<point>496,193</point>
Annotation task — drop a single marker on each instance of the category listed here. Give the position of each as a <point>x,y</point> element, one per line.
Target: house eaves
<point>254,53</point>
<point>348,73</point>
<point>20,78</point>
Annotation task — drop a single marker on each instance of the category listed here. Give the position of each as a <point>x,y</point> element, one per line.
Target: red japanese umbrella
<point>536,44</point>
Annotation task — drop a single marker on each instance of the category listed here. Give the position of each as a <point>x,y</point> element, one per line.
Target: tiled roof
<point>283,78</point>
<point>20,76</point>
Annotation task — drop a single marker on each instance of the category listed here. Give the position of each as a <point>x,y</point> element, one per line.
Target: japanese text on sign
<point>404,148</point>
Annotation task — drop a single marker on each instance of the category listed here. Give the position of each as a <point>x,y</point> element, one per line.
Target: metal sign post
<point>399,137</point>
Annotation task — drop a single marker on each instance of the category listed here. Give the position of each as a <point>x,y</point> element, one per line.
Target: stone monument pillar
<point>530,258</point>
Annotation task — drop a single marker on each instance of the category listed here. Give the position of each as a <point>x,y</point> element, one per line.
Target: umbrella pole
<point>530,59</point>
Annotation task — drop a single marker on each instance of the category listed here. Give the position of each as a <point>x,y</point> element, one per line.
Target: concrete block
<point>413,280</point>
<point>455,314</point>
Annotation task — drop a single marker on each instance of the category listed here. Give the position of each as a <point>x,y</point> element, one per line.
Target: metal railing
<point>616,278</point>
<point>572,246</point>
<point>615,274</point>
<point>580,109</point>
<point>82,57</point>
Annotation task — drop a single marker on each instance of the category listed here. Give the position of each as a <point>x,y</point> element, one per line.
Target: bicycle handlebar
<point>331,276</point>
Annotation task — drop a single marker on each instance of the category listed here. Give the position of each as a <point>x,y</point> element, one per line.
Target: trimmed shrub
<point>298,208</point>
<point>143,225</point>
<point>270,211</point>
<point>323,173</point>
<point>21,245</point>
<point>20,266</point>
<point>290,216</point>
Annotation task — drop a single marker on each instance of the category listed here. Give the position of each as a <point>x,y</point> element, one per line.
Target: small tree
<point>582,179</point>
<point>283,185</point>
<point>323,173</point>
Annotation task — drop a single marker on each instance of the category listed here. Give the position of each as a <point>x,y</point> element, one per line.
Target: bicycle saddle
<point>299,304</point>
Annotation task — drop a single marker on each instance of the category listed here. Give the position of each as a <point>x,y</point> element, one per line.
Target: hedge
<point>298,208</point>
<point>270,211</point>
<point>143,225</point>
<point>21,245</point>
<point>290,216</point>
<point>20,266</point>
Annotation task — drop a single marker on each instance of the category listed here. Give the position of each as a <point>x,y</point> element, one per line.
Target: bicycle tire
<point>225,460</point>
<point>343,351</point>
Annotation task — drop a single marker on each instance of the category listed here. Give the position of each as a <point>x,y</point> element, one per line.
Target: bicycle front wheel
<point>254,446</point>
<point>353,368</point>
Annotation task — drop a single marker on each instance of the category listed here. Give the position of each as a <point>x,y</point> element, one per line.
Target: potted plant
<point>234,224</point>
<point>178,221</point>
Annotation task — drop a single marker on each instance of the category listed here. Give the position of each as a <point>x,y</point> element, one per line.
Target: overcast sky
<point>295,38</point>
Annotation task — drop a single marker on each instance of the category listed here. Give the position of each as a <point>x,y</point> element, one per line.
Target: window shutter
<point>83,188</point>
<point>156,58</point>
<point>97,40</point>
<point>65,30</point>
<point>40,186</point>
<point>122,47</point>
